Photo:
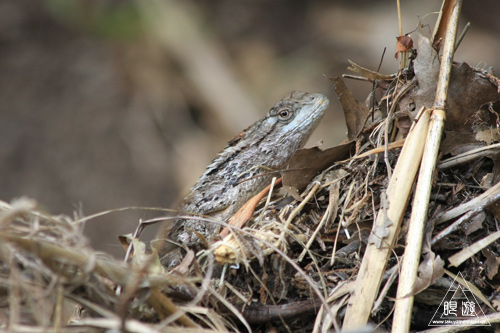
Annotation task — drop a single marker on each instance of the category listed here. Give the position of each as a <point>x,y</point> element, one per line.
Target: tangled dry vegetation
<point>332,253</point>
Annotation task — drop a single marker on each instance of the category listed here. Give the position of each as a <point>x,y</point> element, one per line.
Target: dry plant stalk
<point>409,269</point>
<point>375,259</point>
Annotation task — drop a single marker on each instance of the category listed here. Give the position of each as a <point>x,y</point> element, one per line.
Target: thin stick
<point>296,211</point>
<point>400,22</point>
<point>399,18</point>
<point>409,269</point>
<point>458,258</point>
<point>469,156</point>
<point>324,219</point>
<point>475,205</point>
<point>478,203</point>
<point>462,35</point>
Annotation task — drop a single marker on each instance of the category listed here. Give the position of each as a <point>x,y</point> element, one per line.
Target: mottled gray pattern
<point>270,142</point>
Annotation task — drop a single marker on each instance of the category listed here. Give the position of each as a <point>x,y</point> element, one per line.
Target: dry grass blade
<point>296,211</point>
<point>231,307</point>
<point>471,287</point>
<point>330,210</point>
<point>165,308</point>
<point>52,255</point>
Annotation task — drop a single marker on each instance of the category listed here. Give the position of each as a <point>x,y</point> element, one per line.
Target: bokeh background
<point>118,103</point>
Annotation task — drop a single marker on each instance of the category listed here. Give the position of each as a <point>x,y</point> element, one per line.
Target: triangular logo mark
<point>459,307</point>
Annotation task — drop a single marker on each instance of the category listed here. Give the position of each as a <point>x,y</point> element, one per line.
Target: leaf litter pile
<point>354,239</point>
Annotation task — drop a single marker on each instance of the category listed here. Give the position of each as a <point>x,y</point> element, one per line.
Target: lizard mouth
<point>323,101</point>
<point>321,104</point>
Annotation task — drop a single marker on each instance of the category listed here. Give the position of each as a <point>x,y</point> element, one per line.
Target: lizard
<point>241,169</point>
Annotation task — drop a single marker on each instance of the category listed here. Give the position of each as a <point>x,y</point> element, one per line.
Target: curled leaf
<point>403,44</point>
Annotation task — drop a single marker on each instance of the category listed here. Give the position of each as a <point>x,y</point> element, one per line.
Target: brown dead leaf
<point>469,285</point>
<point>469,92</point>
<point>431,268</point>
<point>306,163</point>
<point>403,44</point>
<point>492,262</point>
<point>488,135</point>
<point>475,223</point>
<point>246,211</point>
<point>355,112</point>
<point>469,95</point>
<point>426,66</point>
<point>125,240</point>
<point>404,122</point>
<point>456,143</point>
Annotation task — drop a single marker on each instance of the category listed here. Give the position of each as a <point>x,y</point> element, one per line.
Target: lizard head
<point>293,119</point>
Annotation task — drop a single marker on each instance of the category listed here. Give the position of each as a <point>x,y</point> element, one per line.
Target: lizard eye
<point>285,114</point>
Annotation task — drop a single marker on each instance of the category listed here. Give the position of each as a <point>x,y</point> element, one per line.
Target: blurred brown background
<point>109,104</point>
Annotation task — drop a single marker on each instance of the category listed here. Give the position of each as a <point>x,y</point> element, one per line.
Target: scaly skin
<point>267,144</point>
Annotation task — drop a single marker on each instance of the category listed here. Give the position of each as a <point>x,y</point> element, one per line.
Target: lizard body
<point>237,173</point>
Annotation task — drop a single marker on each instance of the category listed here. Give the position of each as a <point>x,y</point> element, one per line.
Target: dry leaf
<point>456,143</point>
<point>469,91</point>
<point>467,284</point>
<point>426,66</point>
<point>141,257</point>
<point>355,112</point>
<point>492,262</point>
<point>185,264</point>
<point>488,135</point>
<point>475,223</point>
<point>306,163</point>
<point>403,44</point>
<point>430,269</point>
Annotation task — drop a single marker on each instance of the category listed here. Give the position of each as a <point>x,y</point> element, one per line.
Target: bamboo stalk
<point>375,259</point>
<point>409,269</point>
